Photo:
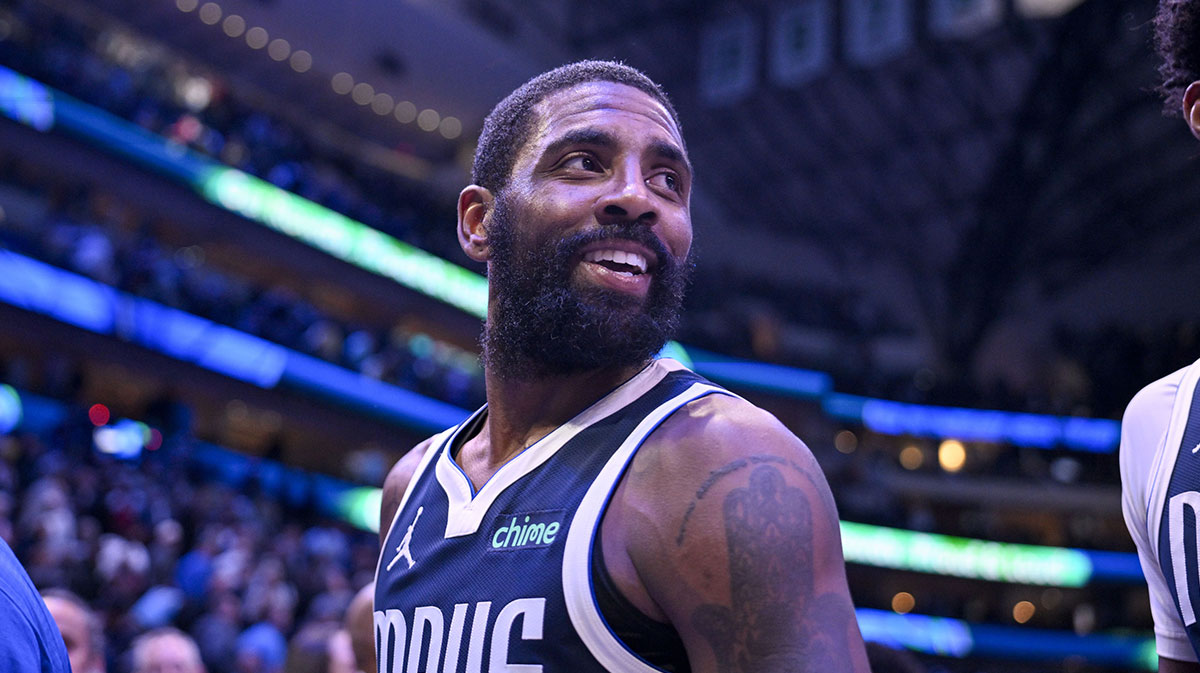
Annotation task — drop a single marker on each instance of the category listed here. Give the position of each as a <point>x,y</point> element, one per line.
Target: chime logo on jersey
<point>525,530</point>
<point>429,643</point>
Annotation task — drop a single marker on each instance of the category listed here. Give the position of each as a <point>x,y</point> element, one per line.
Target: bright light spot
<point>383,104</point>
<point>1023,611</point>
<point>903,602</point>
<point>257,37</point>
<point>301,61</point>
<point>196,93</point>
<point>279,49</point>
<point>912,457</point>
<point>186,5</point>
<point>156,440</point>
<point>98,414</point>
<point>233,25</point>
<point>450,128</point>
<point>342,83</point>
<point>210,13</point>
<point>952,455</point>
<point>362,93</point>
<point>406,112</point>
<point>845,441</point>
<point>428,120</point>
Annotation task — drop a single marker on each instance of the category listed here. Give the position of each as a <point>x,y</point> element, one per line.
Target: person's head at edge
<point>580,208</point>
<point>164,650</point>
<point>82,632</point>
<point>1177,39</point>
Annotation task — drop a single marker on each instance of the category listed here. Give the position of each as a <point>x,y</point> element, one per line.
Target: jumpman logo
<point>402,550</point>
<point>1196,449</point>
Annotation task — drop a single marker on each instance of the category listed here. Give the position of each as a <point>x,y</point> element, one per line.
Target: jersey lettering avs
<point>499,580</point>
<point>1179,535</point>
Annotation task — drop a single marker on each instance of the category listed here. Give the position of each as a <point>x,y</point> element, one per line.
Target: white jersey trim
<point>466,512</point>
<point>580,597</point>
<point>1164,460</point>
<point>432,451</point>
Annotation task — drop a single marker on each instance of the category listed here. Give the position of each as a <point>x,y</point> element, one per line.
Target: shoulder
<point>1146,418</point>
<point>723,432</point>
<point>397,481</point>
<point>727,519</point>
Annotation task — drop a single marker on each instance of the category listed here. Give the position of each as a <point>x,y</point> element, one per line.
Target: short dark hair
<point>1177,40</point>
<point>508,125</point>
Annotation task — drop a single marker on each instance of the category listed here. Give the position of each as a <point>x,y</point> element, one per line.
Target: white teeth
<point>617,257</point>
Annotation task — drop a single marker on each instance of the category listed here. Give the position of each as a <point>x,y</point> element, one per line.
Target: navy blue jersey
<point>1175,507</point>
<point>499,579</point>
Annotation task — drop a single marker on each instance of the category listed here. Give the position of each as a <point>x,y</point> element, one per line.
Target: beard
<point>542,324</point>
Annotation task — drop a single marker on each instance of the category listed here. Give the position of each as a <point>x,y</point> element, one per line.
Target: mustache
<point>626,231</point>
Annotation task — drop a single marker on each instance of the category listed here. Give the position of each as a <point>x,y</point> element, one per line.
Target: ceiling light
<point>428,120</point>
<point>257,37</point>
<point>210,13</point>
<point>234,25</point>
<point>301,60</point>
<point>279,49</point>
<point>450,128</point>
<point>406,112</point>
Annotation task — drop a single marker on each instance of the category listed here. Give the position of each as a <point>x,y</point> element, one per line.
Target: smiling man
<point>605,510</point>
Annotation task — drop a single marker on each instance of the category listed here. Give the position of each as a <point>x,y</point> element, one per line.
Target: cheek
<point>678,238</point>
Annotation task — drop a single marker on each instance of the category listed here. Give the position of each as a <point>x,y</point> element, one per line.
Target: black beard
<point>542,325</point>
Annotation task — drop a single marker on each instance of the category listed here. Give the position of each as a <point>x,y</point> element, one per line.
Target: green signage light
<point>964,557</point>
<point>346,239</point>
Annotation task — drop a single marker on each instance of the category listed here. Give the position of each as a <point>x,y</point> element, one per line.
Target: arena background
<point>945,241</point>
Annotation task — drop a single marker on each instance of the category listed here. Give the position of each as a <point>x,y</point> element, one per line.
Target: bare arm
<point>1166,665</point>
<point>733,535</point>
<point>396,484</point>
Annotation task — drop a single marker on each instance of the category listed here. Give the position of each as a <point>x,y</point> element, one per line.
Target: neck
<point>522,411</point>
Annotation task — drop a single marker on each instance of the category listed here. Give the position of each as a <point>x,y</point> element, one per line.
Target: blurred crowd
<point>157,543</point>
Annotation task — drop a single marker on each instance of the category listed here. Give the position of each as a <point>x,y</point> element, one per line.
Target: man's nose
<point>629,200</point>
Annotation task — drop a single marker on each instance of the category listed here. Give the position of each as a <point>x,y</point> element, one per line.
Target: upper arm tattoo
<point>775,622</point>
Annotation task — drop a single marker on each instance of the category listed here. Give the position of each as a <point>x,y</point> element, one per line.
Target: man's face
<point>72,623</point>
<point>589,241</point>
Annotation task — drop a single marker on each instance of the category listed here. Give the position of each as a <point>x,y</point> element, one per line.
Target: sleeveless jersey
<point>499,580</point>
<point>1174,502</point>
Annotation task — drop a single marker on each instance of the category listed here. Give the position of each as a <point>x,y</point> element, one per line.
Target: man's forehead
<point>591,103</point>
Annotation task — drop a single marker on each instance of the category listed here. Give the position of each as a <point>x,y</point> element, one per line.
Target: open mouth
<point>618,261</point>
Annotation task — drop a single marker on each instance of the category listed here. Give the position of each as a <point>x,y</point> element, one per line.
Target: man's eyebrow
<point>584,136</point>
<point>670,152</point>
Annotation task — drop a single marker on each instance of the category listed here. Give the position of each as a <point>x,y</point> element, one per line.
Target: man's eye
<point>581,162</point>
<point>667,181</point>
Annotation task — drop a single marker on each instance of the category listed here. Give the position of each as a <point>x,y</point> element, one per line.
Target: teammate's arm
<point>1166,665</point>
<point>734,535</point>
<point>396,484</point>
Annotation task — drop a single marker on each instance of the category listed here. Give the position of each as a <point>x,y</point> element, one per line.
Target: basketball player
<point>1160,433</point>
<point>605,511</point>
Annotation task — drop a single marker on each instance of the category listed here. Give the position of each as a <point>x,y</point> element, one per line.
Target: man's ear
<point>1191,108</point>
<point>474,219</point>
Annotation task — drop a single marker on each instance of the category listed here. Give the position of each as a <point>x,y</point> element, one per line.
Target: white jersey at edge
<point>1152,431</point>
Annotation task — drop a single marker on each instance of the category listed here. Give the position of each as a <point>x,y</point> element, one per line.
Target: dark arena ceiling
<point>914,179</point>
